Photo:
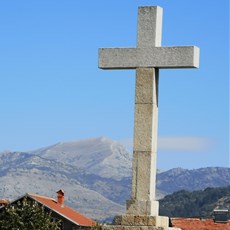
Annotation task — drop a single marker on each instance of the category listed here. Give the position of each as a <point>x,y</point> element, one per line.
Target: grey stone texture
<point>147,59</point>
<point>146,109</point>
<point>142,162</point>
<point>146,88</point>
<point>149,26</point>
<point>139,222</point>
<point>145,121</point>
<point>143,207</point>
<point>117,227</point>
<point>145,144</point>
<point>151,57</point>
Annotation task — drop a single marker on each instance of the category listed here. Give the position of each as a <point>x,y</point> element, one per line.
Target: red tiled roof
<point>199,224</point>
<point>65,211</point>
<point>4,201</point>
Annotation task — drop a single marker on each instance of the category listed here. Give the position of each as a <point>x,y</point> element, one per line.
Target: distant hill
<point>195,204</point>
<point>95,174</point>
<point>195,179</point>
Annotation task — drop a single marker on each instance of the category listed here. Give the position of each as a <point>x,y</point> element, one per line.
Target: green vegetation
<point>26,215</point>
<point>195,204</point>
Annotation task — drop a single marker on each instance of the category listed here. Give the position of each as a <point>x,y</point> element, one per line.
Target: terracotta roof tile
<point>4,201</point>
<point>199,224</point>
<point>65,211</point>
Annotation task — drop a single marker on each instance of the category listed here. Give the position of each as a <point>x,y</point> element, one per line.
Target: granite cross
<point>147,59</point>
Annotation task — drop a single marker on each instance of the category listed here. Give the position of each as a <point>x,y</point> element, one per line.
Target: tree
<point>27,215</point>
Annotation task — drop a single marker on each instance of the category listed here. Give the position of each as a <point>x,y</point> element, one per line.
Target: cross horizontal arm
<point>152,57</point>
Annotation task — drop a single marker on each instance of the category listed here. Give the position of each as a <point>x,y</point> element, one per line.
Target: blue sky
<point>52,89</point>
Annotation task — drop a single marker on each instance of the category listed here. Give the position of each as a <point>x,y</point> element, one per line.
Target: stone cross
<point>147,59</point>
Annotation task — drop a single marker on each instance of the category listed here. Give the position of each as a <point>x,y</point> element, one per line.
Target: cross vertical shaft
<point>146,118</point>
<point>145,138</point>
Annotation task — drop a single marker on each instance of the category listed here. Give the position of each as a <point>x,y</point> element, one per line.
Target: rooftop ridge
<point>45,197</point>
<point>65,211</point>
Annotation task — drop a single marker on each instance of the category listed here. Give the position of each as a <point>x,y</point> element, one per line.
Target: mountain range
<point>195,204</point>
<point>95,174</point>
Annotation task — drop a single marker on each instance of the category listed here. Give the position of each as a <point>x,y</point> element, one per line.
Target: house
<point>3,203</point>
<point>199,224</point>
<point>70,219</point>
<point>220,221</point>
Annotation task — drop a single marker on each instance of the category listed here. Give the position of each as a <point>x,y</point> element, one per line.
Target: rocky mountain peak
<point>95,173</point>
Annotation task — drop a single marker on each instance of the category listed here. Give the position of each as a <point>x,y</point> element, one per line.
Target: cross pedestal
<point>142,209</point>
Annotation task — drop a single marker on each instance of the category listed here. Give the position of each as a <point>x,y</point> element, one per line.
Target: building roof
<point>4,201</point>
<point>64,211</point>
<point>198,224</point>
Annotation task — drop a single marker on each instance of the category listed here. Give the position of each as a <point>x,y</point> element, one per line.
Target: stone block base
<point>120,227</point>
<point>116,227</point>
<point>142,207</point>
<point>139,222</point>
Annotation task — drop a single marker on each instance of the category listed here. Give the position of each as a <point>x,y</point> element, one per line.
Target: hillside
<point>195,204</point>
<point>196,179</point>
<point>95,174</point>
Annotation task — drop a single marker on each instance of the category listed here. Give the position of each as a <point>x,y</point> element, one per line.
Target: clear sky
<point>52,89</point>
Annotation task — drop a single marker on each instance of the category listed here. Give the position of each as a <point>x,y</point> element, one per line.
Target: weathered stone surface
<point>144,171</point>
<point>149,26</point>
<point>112,227</point>
<point>109,227</point>
<point>117,220</point>
<point>162,221</point>
<point>171,228</point>
<point>147,58</point>
<point>142,207</point>
<point>141,220</point>
<point>146,86</point>
<point>127,220</point>
<point>144,227</point>
<point>151,57</point>
<point>152,221</point>
<point>145,220</point>
<point>117,227</point>
<point>145,124</point>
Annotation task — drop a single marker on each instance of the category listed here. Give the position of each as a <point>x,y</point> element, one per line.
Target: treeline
<point>195,204</point>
